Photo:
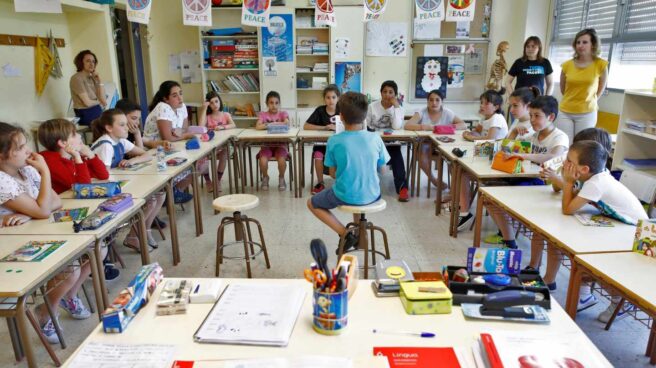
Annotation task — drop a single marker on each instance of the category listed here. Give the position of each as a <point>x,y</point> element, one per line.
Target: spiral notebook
<point>253,314</point>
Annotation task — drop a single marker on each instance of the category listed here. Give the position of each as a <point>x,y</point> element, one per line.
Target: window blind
<point>601,16</point>
<point>641,16</point>
<point>569,18</point>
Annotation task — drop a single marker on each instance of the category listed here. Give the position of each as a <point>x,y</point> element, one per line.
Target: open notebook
<point>253,314</point>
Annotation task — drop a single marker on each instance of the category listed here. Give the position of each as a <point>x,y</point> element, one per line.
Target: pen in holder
<point>329,311</point>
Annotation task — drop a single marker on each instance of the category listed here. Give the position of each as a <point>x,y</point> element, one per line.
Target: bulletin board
<point>466,72</point>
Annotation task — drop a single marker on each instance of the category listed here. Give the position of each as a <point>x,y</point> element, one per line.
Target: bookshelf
<point>313,60</point>
<point>638,105</point>
<point>231,65</point>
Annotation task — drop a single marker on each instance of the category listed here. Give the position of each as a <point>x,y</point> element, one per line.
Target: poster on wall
<point>197,13</point>
<point>277,38</point>
<point>255,13</point>
<point>429,10</point>
<point>348,76</point>
<point>374,9</point>
<point>138,11</point>
<point>387,39</point>
<point>462,29</point>
<point>324,13</point>
<point>270,66</point>
<point>427,30</point>
<point>460,10</point>
<point>37,6</point>
<point>474,62</point>
<point>342,48</point>
<point>456,73</point>
<point>190,67</point>
<point>431,73</point>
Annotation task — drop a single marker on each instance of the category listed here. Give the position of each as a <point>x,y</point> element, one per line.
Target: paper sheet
<point>387,39</point>
<point>342,48</point>
<point>297,362</point>
<point>433,50</point>
<point>9,70</point>
<point>190,67</point>
<point>427,30</point>
<point>38,6</point>
<point>99,355</point>
<point>174,63</point>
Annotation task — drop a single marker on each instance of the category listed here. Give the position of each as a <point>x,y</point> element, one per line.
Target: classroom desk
<point>250,137</point>
<point>445,154</point>
<point>46,227</point>
<point>308,137</point>
<point>140,186</point>
<point>623,274</point>
<point>366,312</point>
<point>33,275</point>
<point>480,169</point>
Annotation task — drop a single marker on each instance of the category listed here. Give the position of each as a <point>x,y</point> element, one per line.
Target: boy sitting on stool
<point>354,157</point>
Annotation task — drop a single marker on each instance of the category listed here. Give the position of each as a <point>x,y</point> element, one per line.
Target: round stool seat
<point>377,206</point>
<point>235,202</point>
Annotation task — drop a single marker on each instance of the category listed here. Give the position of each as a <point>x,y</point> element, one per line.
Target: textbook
<point>645,238</point>
<point>515,146</point>
<point>67,215</point>
<point>593,220</point>
<point>34,251</point>
<point>419,357</point>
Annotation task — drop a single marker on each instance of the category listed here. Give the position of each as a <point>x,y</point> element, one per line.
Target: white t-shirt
<point>496,121</point>
<point>446,118</point>
<point>522,124</point>
<point>556,138</point>
<point>164,111</point>
<point>612,198</point>
<point>11,188</point>
<point>380,118</point>
<point>105,151</point>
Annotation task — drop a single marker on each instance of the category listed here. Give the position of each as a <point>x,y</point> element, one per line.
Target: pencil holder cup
<point>330,312</point>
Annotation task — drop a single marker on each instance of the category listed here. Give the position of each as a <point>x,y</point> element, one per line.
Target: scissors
<point>316,277</point>
<point>320,255</point>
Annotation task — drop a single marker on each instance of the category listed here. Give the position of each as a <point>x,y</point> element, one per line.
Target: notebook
<point>253,314</point>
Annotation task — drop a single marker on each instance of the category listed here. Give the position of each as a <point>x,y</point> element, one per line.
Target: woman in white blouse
<point>168,115</point>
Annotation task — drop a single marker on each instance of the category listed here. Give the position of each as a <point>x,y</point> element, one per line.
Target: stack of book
<point>320,67</point>
<point>249,110</point>
<point>246,53</point>
<point>320,48</point>
<point>304,49</point>
<point>389,275</point>
<point>645,126</point>
<point>245,82</point>
<point>222,54</point>
<point>303,68</point>
<point>174,297</point>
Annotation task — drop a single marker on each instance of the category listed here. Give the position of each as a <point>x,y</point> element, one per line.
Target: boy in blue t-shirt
<point>354,158</point>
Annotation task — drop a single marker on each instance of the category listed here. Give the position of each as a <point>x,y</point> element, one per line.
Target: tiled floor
<point>415,235</point>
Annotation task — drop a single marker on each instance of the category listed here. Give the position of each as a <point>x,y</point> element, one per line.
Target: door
<point>277,43</point>
<point>140,76</point>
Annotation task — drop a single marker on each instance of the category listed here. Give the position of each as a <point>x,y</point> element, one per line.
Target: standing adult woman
<point>531,69</point>
<point>87,89</point>
<point>582,82</point>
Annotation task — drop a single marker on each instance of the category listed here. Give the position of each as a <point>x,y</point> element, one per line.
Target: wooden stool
<point>236,203</point>
<point>361,227</point>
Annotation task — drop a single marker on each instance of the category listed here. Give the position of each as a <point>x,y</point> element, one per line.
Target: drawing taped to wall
<point>431,73</point>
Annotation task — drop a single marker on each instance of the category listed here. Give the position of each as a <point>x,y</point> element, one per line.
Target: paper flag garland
<point>43,63</point>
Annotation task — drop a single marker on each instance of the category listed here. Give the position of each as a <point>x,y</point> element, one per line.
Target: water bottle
<point>161,160</point>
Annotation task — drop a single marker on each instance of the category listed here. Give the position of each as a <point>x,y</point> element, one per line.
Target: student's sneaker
<point>50,333</point>
<point>495,238</point>
<point>605,315</point>
<point>265,183</point>
<point>464,221</point>
<point>151,240</point>
<point>111,272</point>
<point>318,188</point>
<point>552,286</point>
<point>351,242</point>
<point>403,195</point>
<point>75,307</point>
<point>180,196</point>
<point>586,302</point>
<point>281,184</point>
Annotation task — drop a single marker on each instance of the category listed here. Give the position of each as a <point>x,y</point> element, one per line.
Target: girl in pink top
<point>213,117</point>
<point>273,116</point>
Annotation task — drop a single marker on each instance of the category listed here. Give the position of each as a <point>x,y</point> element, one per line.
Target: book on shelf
<point>231,53</point>
<point>306,41</point>
<point>642,125</point>
<point>34,251</point>
<point>640,164</point>
<point>245,82</point>
<point>319,82</point>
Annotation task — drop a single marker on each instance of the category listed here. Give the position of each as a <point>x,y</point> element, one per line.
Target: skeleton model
<point>499,67</point>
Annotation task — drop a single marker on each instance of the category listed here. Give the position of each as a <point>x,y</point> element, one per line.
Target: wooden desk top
<point>459,140</point>
<point>140,186</point>
<point>262,135</point>
<point>15,284</point>
<point>628,272</point>
<point>315,134</point>
<point>398,134</point>
<point>481,167</point>
<point>366,312</point>
<point>540,208</point>
<point>66,228</point>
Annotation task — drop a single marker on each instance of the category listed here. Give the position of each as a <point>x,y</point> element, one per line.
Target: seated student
<point>323,118</point>
<point>278,150</point>
<point>384,114</point>
<point>546,144</point>
<point>213,117</point>
<point>70,161</point>
<point>433,115</point>
<point>353,157</point>
<point>519,100</point>
<point>133,112</point>
<point>493,127</point>
<point>26,193</point>
<point>110,133</point>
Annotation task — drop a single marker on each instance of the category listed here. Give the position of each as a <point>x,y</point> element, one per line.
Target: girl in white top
<point>26,193</point>
<point>168,115</point>
<point>494,125</point>
<point>519,100</point>
<point>433,115</point>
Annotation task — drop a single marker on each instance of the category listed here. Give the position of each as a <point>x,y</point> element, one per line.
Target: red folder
<point>407,357</point>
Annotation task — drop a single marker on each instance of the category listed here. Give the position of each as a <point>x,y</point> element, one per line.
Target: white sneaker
<point>75,307</point>
<point>265,183</point>
<point>281,184</point>
<point>606,314</point>
<point>586,302</point>
<point>50,333</point>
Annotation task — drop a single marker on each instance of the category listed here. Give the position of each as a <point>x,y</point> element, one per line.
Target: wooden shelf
<point>313,72</point>
<point>639,134</point>
<point>641,92</point>
<point>240,93</point>
<point>229,69</point>
<point>649,172</point>
<point>299,55</point>
<point>230,37</point>
<point>309,89</point>
<point>312,27</point>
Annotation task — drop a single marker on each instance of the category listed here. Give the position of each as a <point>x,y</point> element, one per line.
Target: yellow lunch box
<point>426,297</point>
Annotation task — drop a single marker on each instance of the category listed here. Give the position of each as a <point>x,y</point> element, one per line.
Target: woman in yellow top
<point>582,81</point>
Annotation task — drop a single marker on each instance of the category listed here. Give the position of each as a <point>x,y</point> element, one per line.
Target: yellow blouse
<point>581,85</point>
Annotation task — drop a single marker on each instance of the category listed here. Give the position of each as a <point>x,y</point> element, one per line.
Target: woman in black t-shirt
<point>531,69</point>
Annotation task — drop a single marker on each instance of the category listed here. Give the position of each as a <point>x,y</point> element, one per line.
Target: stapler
<point>510,303</point>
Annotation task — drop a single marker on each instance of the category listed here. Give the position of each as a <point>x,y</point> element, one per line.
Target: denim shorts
<point>327,200</point>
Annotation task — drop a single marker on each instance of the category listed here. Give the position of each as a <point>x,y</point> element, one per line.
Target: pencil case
<point>444,129</point>
<point>192,144</point>
<point>277,128</point>
<point>117,203</point>
<point>196,129</point>
<point>512,165</point>
<point>176,161</point>
<point>96,190</point>
<point>206,137</point>
<point>95,220</point>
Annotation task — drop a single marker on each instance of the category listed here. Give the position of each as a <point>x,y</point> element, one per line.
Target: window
<point>627,29</point>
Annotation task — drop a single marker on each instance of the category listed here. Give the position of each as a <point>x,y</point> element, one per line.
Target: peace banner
<point>373,9</point>
<point>138,11</point>
<point>324,13</point>
<point>255,13</point>
<point>197,12</point>
<point>460,10</point>
<point>429,10</point>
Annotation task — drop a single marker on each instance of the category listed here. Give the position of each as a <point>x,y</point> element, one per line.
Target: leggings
<point>571,124</point>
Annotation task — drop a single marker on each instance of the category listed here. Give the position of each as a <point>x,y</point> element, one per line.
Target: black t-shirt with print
<point>530,73</point>
<point>321,117</point>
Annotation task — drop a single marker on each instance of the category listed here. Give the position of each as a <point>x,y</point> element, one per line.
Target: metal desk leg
<point>455,199</point>
<point>478,220</point>
<point>214,170</point>
<point>294,171</point>
<point>198,217</point>
<point>15,338</point>
<point>575,280</point>
<point>143,238</point>
<point>21,322</point>
<point>101,275</point>
<point>95,279</point>
<point>170,208</point>
<point>440,176</point>
<point>229,166</point>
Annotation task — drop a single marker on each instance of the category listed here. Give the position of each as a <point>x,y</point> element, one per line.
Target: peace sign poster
<point>324,14</point>
<point>197,12</point>
<point>138,11</point>
<point>429,10</point>
<point>373,9</point>
<point>255,13</point>
<point>460,10</point>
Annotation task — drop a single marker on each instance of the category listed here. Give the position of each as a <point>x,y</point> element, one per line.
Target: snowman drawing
<point>432,79</point>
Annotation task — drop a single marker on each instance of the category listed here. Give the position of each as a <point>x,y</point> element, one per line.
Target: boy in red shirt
<point>70,161</point>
